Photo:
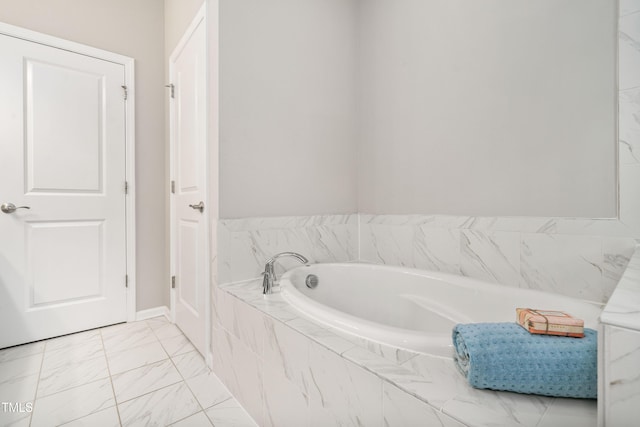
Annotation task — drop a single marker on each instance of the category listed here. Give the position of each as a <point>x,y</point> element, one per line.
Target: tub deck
<point>412,386</point>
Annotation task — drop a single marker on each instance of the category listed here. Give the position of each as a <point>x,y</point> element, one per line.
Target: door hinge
<point>126,93</point>
<point>173,282</point>
<point>172,88</point>
<point>173,187</point>
<point>126,280</point>
<point>126,187</point>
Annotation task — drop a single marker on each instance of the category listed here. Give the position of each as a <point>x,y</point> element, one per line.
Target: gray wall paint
<point>133,29</point>
<point>487,107</point>
<point>178,15</point>
<point>460,107</point>
<point>287,107</point>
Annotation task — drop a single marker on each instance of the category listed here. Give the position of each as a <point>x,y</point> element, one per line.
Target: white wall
<point>287,107</point>
<point>487,107</point>
<point>133,29</point>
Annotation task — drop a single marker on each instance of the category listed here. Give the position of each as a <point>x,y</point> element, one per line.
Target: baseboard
<point>154,312</point>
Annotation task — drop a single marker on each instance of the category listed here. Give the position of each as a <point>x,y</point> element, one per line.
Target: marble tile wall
<point>619,374</point>
<point>245,244</point>
<point>286,369</point>
<point>580,258</point>
<point>622,376</point>
<point>282,377</point>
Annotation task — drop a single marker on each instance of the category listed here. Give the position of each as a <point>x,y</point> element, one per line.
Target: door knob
<point>11,208</point>
<point>199,206</point>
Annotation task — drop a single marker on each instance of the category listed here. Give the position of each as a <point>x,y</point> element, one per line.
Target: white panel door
<point>189,227</point>
<point>62,155</point>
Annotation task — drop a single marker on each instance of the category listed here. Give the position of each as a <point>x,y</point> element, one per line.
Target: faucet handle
<point>266,289</point>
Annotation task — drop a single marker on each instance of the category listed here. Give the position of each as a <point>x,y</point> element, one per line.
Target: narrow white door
<point>62,165</point>
<point>189,162</point>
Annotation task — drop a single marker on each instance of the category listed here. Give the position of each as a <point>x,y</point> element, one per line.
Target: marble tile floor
<point>144,373</point>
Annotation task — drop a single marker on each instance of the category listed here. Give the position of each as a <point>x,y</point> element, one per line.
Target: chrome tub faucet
<point>270,274</point>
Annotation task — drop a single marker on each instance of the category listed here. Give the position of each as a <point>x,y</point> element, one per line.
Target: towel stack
<point>504,356</point>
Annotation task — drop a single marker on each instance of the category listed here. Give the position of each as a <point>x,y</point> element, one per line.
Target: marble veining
<point>629,6</point>
<point>71,374</point>
<point>505,250</point>
<point>61,407</point>
<point>161,407</point>
<point>344,388</point>
<point>629,119</point>
<point>564,265</point>
<point>623,375</point>
<point>491,257</point>
<point>623,308</point>
<point>245,244</point>
<point>148,378</point>
<point>584,266</point>
<point>341,381</point>
<point>437,249</point>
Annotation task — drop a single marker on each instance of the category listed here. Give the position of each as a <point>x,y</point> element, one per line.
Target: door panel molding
<point>188,184</point>
<point>129,89</point>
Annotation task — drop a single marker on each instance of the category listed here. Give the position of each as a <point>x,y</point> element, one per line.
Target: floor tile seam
<point>66,347</point>
<point>88,415</point>
<point>186,353</point>
<point>126,335</point>
<point>74,346</point>
<point>113,390</point>
<point>187,385</point>
<point>148,392</point>
<point>182,419</point>
<point>238,406</point>
<point>167,337</point>
<point>150,321</point>
<point>21,357</point>
<point>32,355</point>
<point>210,372</point>
<point>162,388</point>
<point>178,354</point>
<point>221,402</point>
<point>112,352</point>
<point>35,392</point>
<point>173,337</point>
<point>114,341</point>
<point>140,367</point>
<point>186,381</point>
<point>116,353</point>
<point>76,362</point>
<point>70,388</point>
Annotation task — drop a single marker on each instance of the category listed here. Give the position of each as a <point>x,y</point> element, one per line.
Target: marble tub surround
<point>580,258</point>
<point>286,369</point>
<point>245,244</point>
<point>619,374</point>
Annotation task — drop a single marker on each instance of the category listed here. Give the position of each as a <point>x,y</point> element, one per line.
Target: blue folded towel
<point>504,356</point>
